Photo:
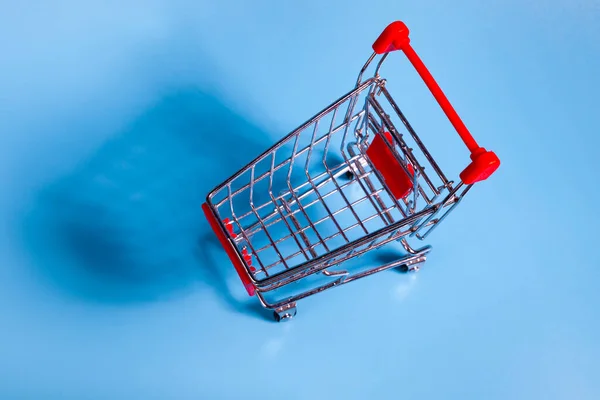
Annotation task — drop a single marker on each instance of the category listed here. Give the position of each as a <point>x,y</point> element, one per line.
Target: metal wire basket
<point>346,182</point>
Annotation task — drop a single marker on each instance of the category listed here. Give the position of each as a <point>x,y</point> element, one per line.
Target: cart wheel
<point>285,313</point>
<point>403,268</point>
<point>415,267</point>
<point>349,175</point>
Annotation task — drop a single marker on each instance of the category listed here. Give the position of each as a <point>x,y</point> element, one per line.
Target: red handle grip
<point>483,163</point>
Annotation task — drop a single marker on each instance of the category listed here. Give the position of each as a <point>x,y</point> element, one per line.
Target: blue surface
<point>116,118</point>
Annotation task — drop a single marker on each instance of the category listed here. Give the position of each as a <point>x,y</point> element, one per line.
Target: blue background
<point>117,117</point>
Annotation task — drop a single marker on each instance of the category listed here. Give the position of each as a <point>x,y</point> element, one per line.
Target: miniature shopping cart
<point>348,181</point>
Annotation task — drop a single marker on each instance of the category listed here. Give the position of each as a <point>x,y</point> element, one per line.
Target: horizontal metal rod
<point>320,262</point>
<point>409,259</point>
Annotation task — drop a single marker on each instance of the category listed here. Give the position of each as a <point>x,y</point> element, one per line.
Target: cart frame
<point>381,184</point>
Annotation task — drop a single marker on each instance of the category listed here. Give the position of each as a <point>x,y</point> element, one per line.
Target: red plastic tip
<point>484,164</point>
<point>247,256</point>
<point>394,37</point>
<point>228,226</point>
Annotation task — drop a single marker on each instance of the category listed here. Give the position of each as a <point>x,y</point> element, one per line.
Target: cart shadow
<point>126,225</point>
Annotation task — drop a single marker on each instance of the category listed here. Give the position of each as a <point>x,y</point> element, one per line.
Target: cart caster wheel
<point>285,313</point>
<point>409,268</point>
<point>414,268</point>
<point>349,175</point>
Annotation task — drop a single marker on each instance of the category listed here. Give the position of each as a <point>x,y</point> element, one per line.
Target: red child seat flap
<point>390,167</point>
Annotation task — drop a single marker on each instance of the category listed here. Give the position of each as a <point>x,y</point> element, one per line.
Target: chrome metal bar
<point>380,63</point>
<point>300,232</point>
<point>317,263</point>
<point>252,229</point>
<point>284,163</point>
<point>264,227</point>
<point>246,238</point>
<point>262,224</point>
<point>316,223</point>
<point>291,135</point>
<point>416,138</point>
<point>334,181</point>
<point>448,211</point>
<point>364,68</point>
<point>344,279</point>
<point>324,204</point>
<point>298,203</point>
<point>389,219</point>
<point>450,198</point>
<point>349,148</point>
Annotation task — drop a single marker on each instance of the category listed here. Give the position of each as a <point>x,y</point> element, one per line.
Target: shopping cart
<point>295,220</point>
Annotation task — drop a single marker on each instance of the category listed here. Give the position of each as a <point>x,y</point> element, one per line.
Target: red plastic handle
<point>229,249</point>
<point>483,163</point>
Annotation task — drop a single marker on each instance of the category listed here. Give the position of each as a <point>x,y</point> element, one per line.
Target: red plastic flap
<point>384,160</point>
<point>229,249</point>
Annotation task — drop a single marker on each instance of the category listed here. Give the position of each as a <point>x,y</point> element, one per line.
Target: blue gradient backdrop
<point>117,117</point>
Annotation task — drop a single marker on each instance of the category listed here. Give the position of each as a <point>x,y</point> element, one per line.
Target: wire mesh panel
<point>285,207</point>
<point>320,188</point>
